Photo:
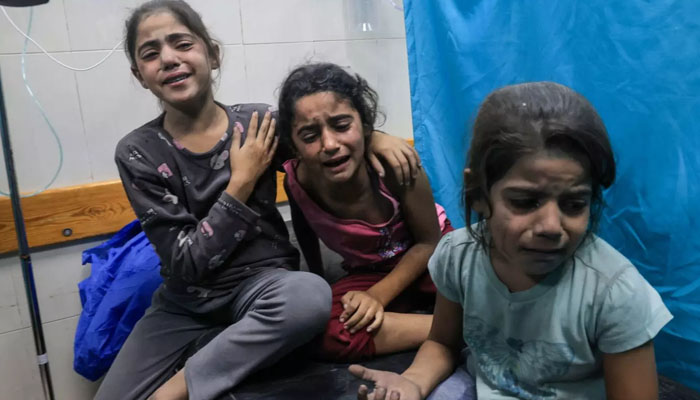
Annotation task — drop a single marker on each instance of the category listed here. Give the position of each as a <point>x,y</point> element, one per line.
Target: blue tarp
<point>638,62</point>
<point>124,274</point>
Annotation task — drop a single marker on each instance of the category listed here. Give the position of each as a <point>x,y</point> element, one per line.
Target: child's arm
<point>189,247</point>
<point>631,374</point>
<point>401,157</point>
<point>306,237</point>
<point>434,362</point>
<point>418,208</point>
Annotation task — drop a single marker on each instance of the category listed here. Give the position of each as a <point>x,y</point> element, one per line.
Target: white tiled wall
<point>91,111</point>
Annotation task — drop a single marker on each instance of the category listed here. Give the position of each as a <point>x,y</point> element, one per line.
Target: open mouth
<point>544,251</point>
<point>336,162</point>
<point>176,78</point>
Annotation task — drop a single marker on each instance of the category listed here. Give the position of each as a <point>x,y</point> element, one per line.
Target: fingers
<point>362,309</point>
<point>261,135</point>
<point>376,164</point>
<point>369,315</point>
<point>360,372</point>
<point>395,395</point>
<point>401,169</point>
<point>236,140</point>
<point>413,160</point>
<point>252,127</point>
<point>378,319</point>
<point>270,135</point>
<point>348,307</point>
<point>362,393</point>
<point>379,393</point>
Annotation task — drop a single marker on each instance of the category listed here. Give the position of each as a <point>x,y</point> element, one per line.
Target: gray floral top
<point>207,240</point>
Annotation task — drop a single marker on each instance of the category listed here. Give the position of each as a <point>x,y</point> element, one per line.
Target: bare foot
<point>174,389</point>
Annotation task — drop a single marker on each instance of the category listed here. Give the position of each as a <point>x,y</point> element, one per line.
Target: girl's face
<point>171,61</point>
<point>328,135</point>
<point>540,212</point>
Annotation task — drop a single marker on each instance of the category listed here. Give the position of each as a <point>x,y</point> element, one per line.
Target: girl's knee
<point>308,299</point>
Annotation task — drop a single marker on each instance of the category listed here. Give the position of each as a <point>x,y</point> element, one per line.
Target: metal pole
<point>29,288</point>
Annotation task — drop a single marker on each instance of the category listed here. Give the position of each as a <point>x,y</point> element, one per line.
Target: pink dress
<point>369,252</point>
<point>365,246</point>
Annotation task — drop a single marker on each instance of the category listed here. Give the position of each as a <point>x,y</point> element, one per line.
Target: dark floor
<point>296,378</point>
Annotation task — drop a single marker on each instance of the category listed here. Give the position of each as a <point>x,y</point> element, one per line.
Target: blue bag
<point>125,273</point>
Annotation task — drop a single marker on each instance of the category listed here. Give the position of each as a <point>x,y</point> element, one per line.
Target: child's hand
<point>387,385</point>
<point>359,308</point>
<point>396,152</point>
<point>249,161</point>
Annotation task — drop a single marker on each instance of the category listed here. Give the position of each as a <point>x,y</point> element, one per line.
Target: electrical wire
<point>27,38</point>
<point>41,110</point>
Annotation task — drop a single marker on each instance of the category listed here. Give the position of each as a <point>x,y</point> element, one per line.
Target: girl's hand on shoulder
<point>387,385</point>
<point>359,309</point>
<point>250,160</point>
<point>397,153</point>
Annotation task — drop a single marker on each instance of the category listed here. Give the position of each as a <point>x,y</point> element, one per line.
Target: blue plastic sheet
<point>638,62</point>
<point>124,274</point>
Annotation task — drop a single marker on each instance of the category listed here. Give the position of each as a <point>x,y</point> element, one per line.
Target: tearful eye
<point>573,207</point>
<point>525,204</point>
<point>149,55</point>
<point>184,45</point>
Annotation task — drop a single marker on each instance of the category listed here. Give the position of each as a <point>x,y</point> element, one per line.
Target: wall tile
<point>268,64</point>
<point>67,384</point>
<point>113,104</point>
<point>35,150</point>
<point>19,373</point>
<point>232,86</point>
<point>48,28</point>
<point>10,318</point>
<point>270,21</point>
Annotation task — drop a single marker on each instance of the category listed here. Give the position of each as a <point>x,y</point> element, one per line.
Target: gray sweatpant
<point>265,317</point>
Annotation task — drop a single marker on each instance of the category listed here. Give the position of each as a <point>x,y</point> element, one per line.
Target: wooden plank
<point>65,214</point>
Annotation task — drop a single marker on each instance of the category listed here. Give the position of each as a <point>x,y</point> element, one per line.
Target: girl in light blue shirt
<point>548,310</point>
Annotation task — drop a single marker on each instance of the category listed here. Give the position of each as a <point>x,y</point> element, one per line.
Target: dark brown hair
<point>522,119</point>
<point>182,12</point>
<point>325,77</point>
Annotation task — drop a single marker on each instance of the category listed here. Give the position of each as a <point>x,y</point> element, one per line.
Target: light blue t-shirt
<point>546,342</point>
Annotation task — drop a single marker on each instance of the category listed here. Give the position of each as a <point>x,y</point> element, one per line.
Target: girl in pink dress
<point>384,230</point>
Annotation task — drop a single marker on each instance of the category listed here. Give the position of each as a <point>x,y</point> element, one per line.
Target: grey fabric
<point>458,386</point>
<point>207,241</point>
<point>267,315</point>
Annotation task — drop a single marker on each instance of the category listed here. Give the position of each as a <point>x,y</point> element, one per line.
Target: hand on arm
<point>631,374</point>
<point>434,362</point>
<point>188,246</point>
<point>401,157</point>
<point>250,160</point>
<point>418,209</point>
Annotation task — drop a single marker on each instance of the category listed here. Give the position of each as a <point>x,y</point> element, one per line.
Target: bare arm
<point>437,357</point>
<point>418,208</point>
<point>434,362</point>
<point>631,374</point>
